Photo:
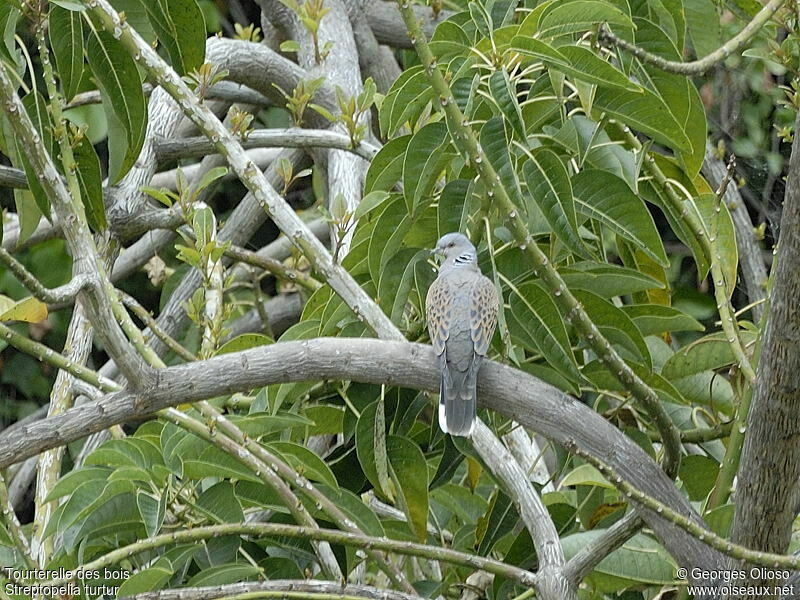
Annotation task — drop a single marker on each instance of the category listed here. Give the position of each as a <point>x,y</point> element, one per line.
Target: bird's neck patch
<point>465,259</point>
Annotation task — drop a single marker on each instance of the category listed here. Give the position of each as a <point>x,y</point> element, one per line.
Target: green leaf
<point>90,181</point>
<point>226,574</point>
<point>727,250</point>
<point>371,449</point>
<point>702,21</point>
<point>244,342</point>
<point>614,324</point>
<point>36,107</point>
<point>152,511</point>
<point>304,461</point>
<point>390,228</point>
<point>355,509</point>
<point>607,279</point>
<point>258,424</point>
<point>220,502</point>
<point>455,206</point>
<point>549,185</point>
<point>645,112</point>
<point>698,474</point>
<point>496,145</point>
<point>117,515</point>
<point>9,16</point>
<point>147,580</point>
<point>71,480</point>
<point>181,29</point>
<point>575,61</point>
<point>587,66</point>
<point>66,39</point>
<point>608,199</point>
<point>386,167</point>
<point>87,497</point>
<point>585,475</point>
<point>580,15</point>
<point>124,103</point>
<point>370,202</point>
<point>535,323</point>
<point>426,156</point>
<point>405,100</point>
<point>708,353</point>
<point>505,96</point>
<point>397,280</point>
<point>652,319</point>
<point>500,519</point>
<point>640,560</point>
<point>410,475</point>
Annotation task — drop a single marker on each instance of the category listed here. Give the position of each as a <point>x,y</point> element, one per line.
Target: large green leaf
<point>606,198</point>
<point>66,38</point>
<point>708,353</point>
<point>535,323</point>
<point>500,519</point>
<point>124,103</point>
<point>580,15</point>
<point>181,29</point>
<point>304,461</point>
<point>703,23</point>
<point>575,61</point>
<point>614,324</point>
<point>657,318</point>
<point>405,100</point>
<point>640,560</point>
<point>371,449</point>
<point>9,16</point>
<point>646,112</point>
<point>606,279</point>
<point>386,167</point>
<point>549,185</point>
<point>90,180</point>
<point>505,95</point>
<point>592,145</point>
<point>410,474</point>
<point>426,156</point>
<point>496,145</point>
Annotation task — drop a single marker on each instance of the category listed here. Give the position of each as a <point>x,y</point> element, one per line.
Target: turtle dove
<point>462,310</point>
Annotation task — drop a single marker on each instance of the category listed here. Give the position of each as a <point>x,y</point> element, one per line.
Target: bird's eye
<point>451,244</point>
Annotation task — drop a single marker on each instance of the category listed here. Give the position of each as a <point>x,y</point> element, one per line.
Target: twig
<point>700,66</point>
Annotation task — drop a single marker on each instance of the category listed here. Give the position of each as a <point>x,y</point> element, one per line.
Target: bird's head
<point>453,244</point>
<point>456,248</point>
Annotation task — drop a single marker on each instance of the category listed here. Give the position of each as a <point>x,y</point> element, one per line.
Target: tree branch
<point>700,66</point>
<point>536,405</point>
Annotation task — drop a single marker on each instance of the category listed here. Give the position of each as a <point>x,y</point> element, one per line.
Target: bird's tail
<point>458,401</point>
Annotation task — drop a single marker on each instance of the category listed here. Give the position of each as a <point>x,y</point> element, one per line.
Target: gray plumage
<point>462,310</point>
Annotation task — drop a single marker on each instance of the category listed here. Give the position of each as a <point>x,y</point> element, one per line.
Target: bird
<point>461,309</point>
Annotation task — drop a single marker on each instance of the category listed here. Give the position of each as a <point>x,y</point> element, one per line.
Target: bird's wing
<point>439,309</point>
<point>483,314</point>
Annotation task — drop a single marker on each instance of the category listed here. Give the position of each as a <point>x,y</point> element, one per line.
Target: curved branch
<point>700,66</point>
<point>534,404</point>
<point>335,588</point>
<point>169,149</point>
<point>551,580</point>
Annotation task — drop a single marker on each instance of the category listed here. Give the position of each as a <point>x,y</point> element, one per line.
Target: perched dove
<point>462,314</point>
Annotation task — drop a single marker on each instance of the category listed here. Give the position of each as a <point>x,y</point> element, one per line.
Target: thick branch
<point>334,588</point>
<point>767,492</point>
<point>534,404</point>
